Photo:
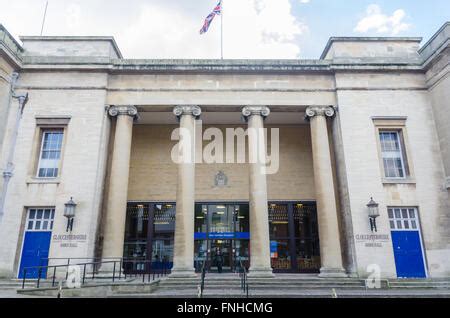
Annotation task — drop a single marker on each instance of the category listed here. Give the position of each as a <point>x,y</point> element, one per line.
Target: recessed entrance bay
<point>222,228</point>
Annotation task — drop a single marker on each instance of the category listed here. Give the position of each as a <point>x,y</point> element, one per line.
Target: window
<point>50,154</point>
<point>40,219</point>
<point>403,219</point>
<point>393,155</point>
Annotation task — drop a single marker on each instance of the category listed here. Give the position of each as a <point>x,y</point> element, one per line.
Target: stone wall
<point>5,87</point>
<point>221,89</point>
<point>361,97</point>
<point>153,175</point>
<point>82,171</point>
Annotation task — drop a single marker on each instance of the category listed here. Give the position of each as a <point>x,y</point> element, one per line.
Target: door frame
<point>419,229</point>
<point>24,230</point>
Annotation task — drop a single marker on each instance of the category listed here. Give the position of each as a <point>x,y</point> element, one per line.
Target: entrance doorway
<point>36,242</point>
<point>294,237</point>
<point>223,227</point>
<point>149,237</point>
<point>407,242</point>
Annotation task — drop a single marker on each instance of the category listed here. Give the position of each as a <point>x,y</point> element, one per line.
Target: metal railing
<point>244,278</point>
<point>117,268</point>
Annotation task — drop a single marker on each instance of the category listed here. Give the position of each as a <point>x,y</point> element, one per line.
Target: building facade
<point>368,120</point>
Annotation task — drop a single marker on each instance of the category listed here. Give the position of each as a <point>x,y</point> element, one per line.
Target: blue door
<point>35,253</point>
<point>406,242</point>
<point>36,241</point>
<point>408,254</point>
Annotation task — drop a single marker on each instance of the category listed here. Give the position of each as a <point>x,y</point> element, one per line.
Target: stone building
<point>369,119</point>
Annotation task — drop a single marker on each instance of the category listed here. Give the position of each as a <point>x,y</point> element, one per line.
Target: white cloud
<point>262,29</point>
<point>379,22</point>
<point>304,1</point>
<point>252,29</point>
<point>167,29</point>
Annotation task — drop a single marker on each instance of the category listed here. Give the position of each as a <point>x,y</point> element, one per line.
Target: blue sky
<point>252,28</point>
<point>327,18</point>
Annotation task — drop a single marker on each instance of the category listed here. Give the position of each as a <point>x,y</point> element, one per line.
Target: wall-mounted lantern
<point>373,214</point>
<point>69,213</point>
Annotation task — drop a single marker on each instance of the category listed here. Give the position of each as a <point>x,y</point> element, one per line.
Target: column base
<point>260,273</point>
<point>329,272</point>
<point>352,275</point>
<point>182,273</point>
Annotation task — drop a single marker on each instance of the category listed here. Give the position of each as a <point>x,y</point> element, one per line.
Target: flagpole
<point>221,30</point>
<point>43,19</point>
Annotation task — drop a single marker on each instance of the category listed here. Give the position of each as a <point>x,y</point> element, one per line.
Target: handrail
<point>202,283</point>
<point>244,278</point>
<point>149,271</point>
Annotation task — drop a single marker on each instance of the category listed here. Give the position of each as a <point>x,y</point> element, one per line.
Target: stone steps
<point>299,294</point>
<point>433,283</point>
<point>229,286</point>
<point>15,285</point>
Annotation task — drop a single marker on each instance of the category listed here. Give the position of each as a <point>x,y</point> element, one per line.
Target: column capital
<point>115,111</point>
<point>248,111</point>
<point>192,110</point>
<point>312,111</point>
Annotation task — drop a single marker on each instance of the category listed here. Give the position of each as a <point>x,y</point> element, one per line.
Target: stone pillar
<point>183,255</point>
<point>330,248</point>
<point>114,231</point>
<point>259,217</point>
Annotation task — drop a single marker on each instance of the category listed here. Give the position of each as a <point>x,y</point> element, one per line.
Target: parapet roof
<point>398,52</point>
<point>365,39</point>
<point>75,39</point>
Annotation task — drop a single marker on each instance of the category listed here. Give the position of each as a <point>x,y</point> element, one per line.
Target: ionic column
<point>114,231</point>
<point>259,219</point>
<point>183,255</point>
<point>330,248</point>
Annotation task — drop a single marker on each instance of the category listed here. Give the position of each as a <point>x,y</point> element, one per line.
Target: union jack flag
<point>216,11</point>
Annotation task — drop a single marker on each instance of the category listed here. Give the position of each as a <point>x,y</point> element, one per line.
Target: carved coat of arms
<point>220,179</point>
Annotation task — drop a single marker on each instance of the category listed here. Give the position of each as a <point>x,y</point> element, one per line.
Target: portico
<point>183,249</point>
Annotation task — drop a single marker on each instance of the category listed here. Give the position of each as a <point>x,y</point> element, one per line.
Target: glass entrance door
<point>294,237</point>
<point>224,227</point>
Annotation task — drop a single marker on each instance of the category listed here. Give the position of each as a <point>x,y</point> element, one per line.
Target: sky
<point>254,29</point>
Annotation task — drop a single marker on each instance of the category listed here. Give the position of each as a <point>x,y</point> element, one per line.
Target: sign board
<point>69,240</point>
<point>372,240</point>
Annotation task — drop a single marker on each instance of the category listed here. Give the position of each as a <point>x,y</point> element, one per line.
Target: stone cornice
<point>327,111</point>
<point>192,110</point>
<point>10,48</point>
<point>136,66</point>
<point>248,111</point>
<point>115,111</point>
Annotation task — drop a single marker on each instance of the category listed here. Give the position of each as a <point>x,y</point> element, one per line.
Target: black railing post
<point>67,271</point>
<point>120,268</point>
<point>114,270</point>
<point>54,274</point>
<point>203,274</point>
<point>39,277</point>
<point>24,277</point>
<point>84,273</point>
